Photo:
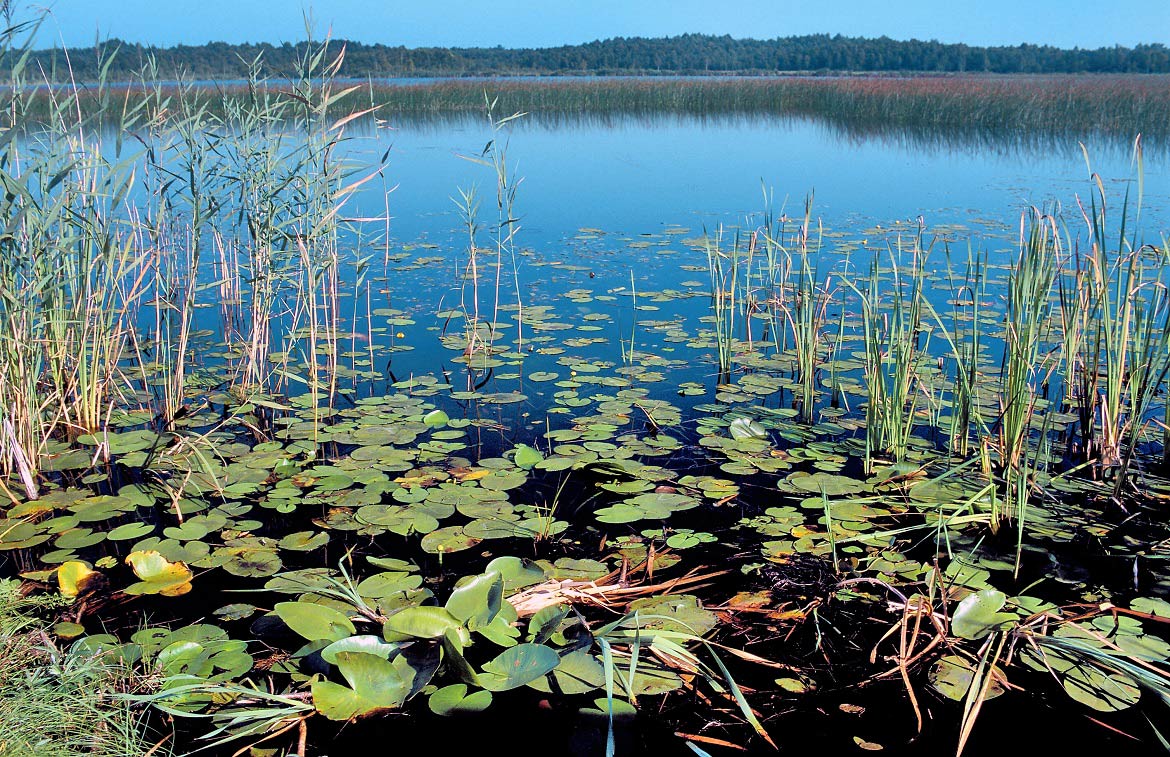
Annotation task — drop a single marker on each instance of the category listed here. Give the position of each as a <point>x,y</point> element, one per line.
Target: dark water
<point>607,207</point>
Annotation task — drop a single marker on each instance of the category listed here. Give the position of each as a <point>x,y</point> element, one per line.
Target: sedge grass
<point>63,703</point>
<point>1050,104</point>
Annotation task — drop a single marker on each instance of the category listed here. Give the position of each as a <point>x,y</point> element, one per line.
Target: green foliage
<point>687,54</point>
<point>61,702</point>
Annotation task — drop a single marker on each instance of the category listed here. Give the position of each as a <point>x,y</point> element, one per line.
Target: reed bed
<point>110,252</point>
<point>1084,104</point>
<point>1072,382</point>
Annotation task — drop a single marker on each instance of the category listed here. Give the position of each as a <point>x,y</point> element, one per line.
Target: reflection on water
<point>637,173</point>
<point>1006,140</point>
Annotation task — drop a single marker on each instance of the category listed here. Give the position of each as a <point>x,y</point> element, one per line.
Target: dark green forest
<point>687,54</point>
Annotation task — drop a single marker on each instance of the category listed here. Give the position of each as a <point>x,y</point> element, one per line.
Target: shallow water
<point>610,261</point>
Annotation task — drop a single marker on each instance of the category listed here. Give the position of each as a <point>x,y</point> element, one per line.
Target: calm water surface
<point>636,176</point>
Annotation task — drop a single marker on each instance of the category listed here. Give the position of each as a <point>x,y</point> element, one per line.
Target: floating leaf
<point>236,611</point>
<point>477,602</point>
<point>313,621</point>
<point>448,539</point>
<point>526,457</point>
<point>518,666</point>
<point>422,622</point>
<point>73,577</point>
<point>68,630</point>
<point>158,575</point>
<point>979,614</point>
<point>746,428</point>
<point>454,700</point>
<point>367,644</point>
<point>130,531</point>
<point>516,572</point>
<point>1104,691</point>
<point>374,684</point>
<point>951,676</point>
<point>436,419</point>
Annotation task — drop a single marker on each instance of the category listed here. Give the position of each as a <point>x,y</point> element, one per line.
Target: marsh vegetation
<point>764,483</point>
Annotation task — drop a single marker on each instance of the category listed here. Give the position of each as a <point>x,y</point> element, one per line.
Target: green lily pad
<point>421,622</point>
<point>454,700</point>
<point>518,666</point>
<point>951,676</point>
<point>476,602</point>
<point>979,614</point>
<point>447,539</point>
<point>1104,691</point>
<point>436,419</point>
<point>526,457</point>
<point>746,428</point>
<point>374,684</point>
<point>128,531</point>
<point>314,621</point>
<point>158,575</point>
<point>367,644</point>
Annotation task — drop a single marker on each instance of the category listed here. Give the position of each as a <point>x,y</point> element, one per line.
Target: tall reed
<point>724,269</point>
<point>896,351</point>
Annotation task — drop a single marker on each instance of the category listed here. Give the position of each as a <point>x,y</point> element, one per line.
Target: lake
<point>655,460</point>
<point>638,175</point>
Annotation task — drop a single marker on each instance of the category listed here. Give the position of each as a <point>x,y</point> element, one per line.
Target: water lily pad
<point>421,622</point>
<point>436,419</point>
<point>746,428</point>
<point>304,541</point>
<point>128,531</point>
<point>447,539</point>
<point>476,602</point>
<point>579,672</point>
<point>74,577</point>
<point>250,562</point>
<point>673,612</point>
<point>454,700</point>
<point>979,614</point>
<point>368,644</point>
<point>374,684</point>
<point>315,621</point>
<point>526,457</point>
<point>235,611</point>
<point>951,676</point>
<point>158,575</point>
<point>1104,691</point>
<point>518,666</point>
<point>829,484</point>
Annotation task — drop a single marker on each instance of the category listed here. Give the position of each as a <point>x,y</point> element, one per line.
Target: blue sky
<point>541,23</point>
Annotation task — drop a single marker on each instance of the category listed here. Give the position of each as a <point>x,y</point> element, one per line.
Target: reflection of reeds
<point>924,108</point>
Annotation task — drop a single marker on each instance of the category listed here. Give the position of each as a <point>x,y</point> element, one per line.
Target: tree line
<point>687,54</point>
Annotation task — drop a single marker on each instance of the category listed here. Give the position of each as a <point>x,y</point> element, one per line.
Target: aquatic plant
<point>63,702</point>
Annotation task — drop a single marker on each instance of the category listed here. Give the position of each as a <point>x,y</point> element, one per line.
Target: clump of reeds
<point>124,221</point>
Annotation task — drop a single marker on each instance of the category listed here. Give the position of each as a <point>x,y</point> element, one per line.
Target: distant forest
<point>687,54</point>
